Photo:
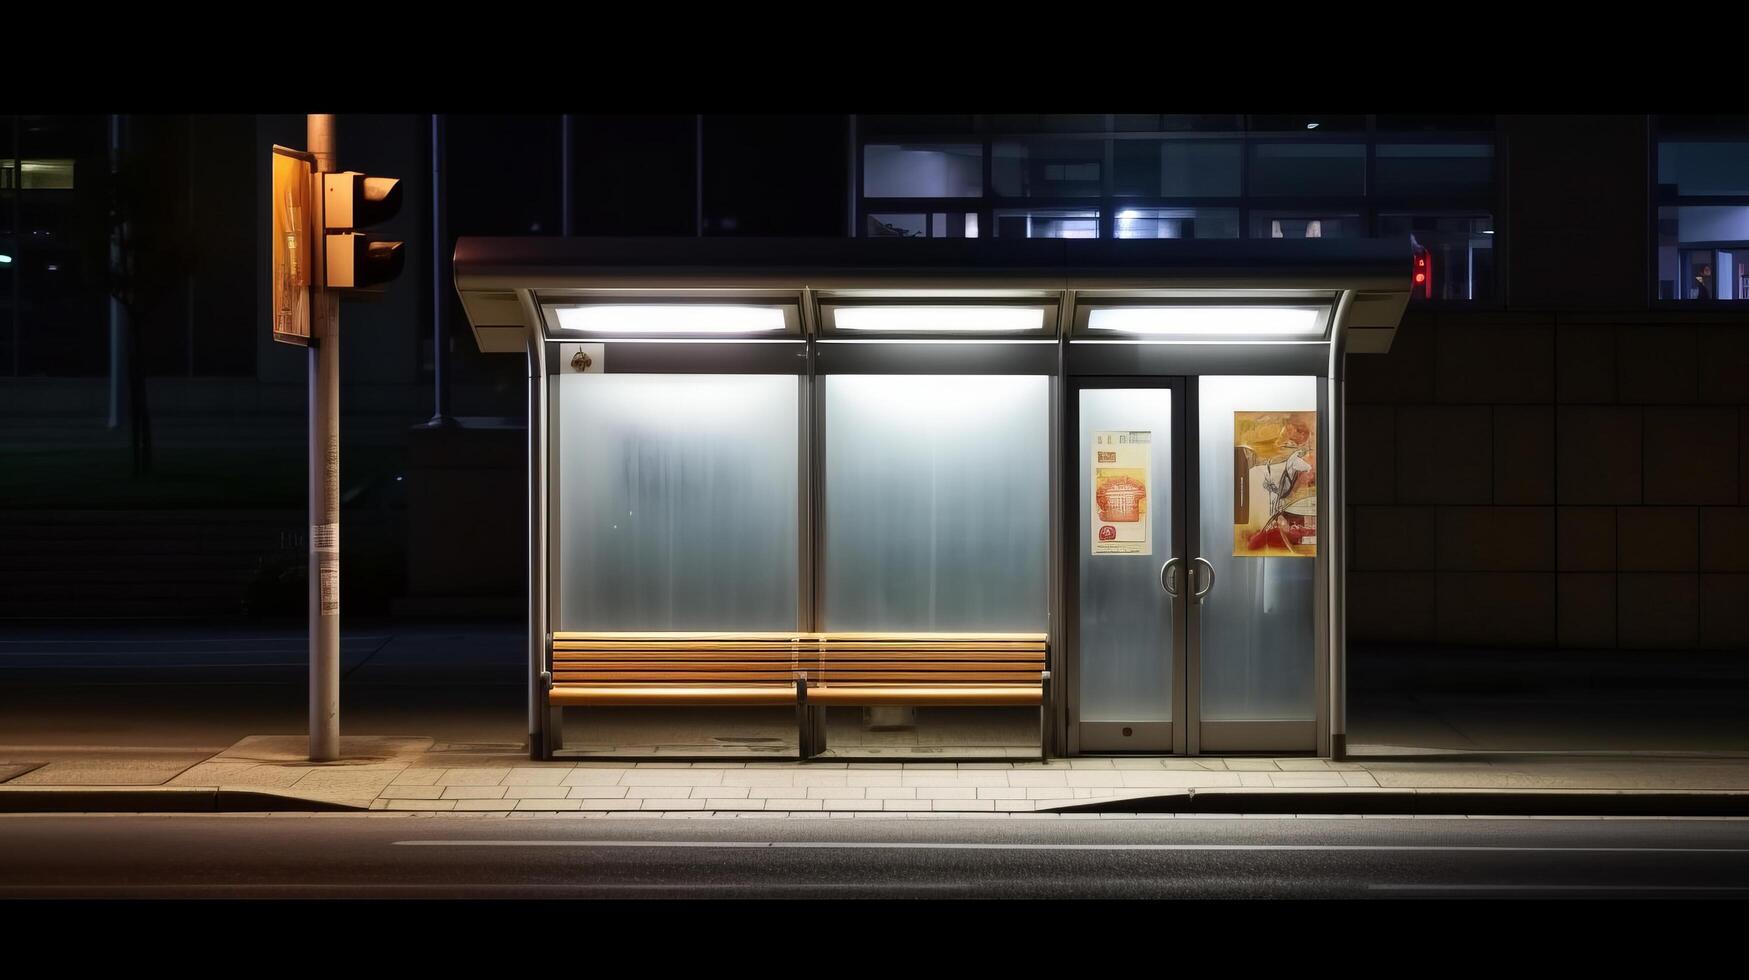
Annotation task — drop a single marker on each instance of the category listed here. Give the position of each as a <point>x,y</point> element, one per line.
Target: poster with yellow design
<point>1120,493</point>
<point>1275,484</point>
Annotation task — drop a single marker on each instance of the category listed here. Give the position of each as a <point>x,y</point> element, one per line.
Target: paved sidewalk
<point>159,719</point>
<point>418,774</point>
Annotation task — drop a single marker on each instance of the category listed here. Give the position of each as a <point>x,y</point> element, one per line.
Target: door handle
<point>1199,593</point>
<point>1169,577</point>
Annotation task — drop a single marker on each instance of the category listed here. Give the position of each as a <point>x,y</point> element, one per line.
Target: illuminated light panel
<point>1203,322</point>
<point>675,318</point>
<point>939,319</point>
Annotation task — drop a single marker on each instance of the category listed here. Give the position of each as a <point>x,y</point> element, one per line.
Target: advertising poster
<point>1275,484</point>
<point>1121,503</point>
<point>290,247</point>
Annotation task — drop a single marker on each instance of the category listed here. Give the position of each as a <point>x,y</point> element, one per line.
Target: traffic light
<point>354,260</point>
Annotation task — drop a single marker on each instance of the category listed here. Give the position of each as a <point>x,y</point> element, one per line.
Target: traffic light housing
<point>354,260</point>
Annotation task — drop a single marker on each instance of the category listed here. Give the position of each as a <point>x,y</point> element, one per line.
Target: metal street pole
<point>440,284</point>
<point>118,314</point>
<point>324,484</point>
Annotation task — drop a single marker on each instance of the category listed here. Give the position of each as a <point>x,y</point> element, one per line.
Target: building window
<point>1305,224</point>
<point>1427,179</point>
<point>1702,230</point>
<point>1047,168</point>
<point>1175,168</point>
<point>1401,169</point>
<point>38,175</point>
<point>1176,223</point>
<point>1307,168</point>
<point>1459,250</point>
<point>1047,223</point>
<point>942,170</point>
<point>951,224</point>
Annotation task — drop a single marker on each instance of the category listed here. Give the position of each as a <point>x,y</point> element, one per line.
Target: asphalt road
<point>351,856</point>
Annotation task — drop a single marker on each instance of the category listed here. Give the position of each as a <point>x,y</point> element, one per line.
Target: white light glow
<point>673,318</point>
<point>939,319</point>
<point>1204,322</point>
<point>5,260</point>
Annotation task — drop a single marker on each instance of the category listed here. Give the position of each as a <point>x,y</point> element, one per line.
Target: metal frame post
<point>324,464</point>
<point>118,314</point>
<point>440,285</point>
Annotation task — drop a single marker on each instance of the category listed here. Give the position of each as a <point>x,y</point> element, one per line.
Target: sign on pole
<point>292,246</point>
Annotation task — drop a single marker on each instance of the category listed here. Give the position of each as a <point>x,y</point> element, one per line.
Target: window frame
<point>1657,201</point>
<point>1368,205</point>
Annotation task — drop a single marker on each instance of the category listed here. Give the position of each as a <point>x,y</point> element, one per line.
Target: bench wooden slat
<point>759,656</point>
<point>704,677</point>
<point>677,636</point>
<point>685,666</point>
<point>706,646</point>
<point>965,639</point>
<point>942,695</point>
<point>821,677</point>
<point>670,695</point>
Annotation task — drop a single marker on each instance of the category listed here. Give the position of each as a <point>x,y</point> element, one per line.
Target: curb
<point>153,799</point>
<point>1430,802</point>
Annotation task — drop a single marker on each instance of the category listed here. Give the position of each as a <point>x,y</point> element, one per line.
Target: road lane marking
<point>918,845</point>
<point>1559,888</point>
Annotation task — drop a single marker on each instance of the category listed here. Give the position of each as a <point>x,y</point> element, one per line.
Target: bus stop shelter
<point>1099,483</point>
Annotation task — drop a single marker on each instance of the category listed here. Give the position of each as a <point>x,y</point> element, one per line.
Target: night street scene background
<point>943,506</point>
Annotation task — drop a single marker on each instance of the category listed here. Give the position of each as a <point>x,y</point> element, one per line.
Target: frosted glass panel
<point>677,502</point>
<point>1125,618</point>
<point>937,503</point>
<point>1257,635</point>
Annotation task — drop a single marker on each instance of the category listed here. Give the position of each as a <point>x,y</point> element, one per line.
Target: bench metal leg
<point>817,728</point>
<point>804,721</point>
<point>1044,718</point>
<point>555,733</point>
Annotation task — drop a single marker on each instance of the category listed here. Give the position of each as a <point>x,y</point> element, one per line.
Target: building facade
<point>1554,453</point>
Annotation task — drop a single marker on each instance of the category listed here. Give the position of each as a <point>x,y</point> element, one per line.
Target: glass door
<point>1192,591</point>
<point>1252,578</point>
<point>1126,608</point>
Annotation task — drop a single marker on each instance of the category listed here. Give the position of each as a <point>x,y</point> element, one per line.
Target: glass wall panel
<point>1308,168</point>
<point>936,503</point>
<point>677,502</point>
<point>1703,252</point>
<point>1047,223</point>
<point>1433,168</point>
<point>1703,168</point>
<point>1175,168</point>
<point>1283,224</point>
<point>951,224</point>
<point>1047,168</point>
<point>1125,630</point>
<point>938,170</point>
<point>1257,627</point>
<point>1177,223</point>
<point>1460,247</point>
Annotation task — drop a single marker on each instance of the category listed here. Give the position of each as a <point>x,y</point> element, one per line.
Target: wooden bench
<point>810,671</point>
<point>924,670</point>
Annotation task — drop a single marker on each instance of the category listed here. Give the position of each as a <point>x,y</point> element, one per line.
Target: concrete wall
<point>1551,479</point>
<point>1572,470</point>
